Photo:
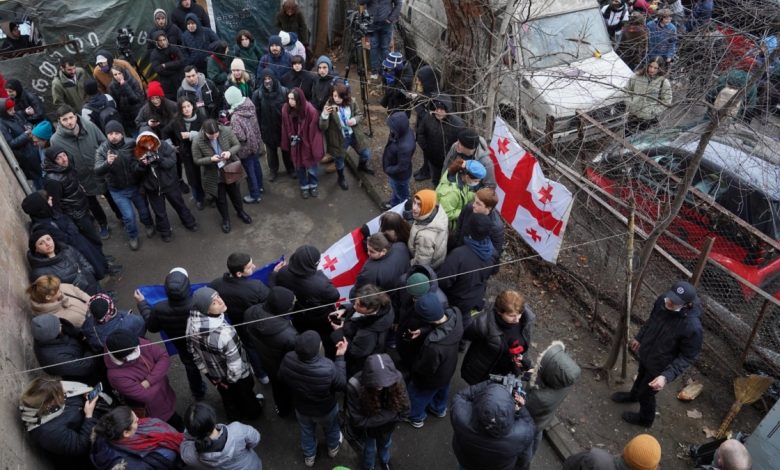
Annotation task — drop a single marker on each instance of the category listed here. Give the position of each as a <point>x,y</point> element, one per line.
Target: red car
<point>740,171</point>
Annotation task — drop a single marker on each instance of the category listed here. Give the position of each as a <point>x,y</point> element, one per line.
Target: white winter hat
<point>285,37</point>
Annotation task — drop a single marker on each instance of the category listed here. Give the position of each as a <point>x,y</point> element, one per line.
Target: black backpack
<point>100,117</point>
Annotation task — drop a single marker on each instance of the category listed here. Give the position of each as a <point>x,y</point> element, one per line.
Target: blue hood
<point>398,123</point>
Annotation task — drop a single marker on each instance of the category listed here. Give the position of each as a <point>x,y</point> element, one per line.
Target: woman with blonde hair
<point>49,295</point>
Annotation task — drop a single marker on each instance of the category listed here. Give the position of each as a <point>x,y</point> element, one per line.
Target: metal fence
<point>742,319</point>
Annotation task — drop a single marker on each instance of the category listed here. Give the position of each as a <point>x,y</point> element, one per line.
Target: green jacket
<point>331,129</point>
<point>64,91</point>
<point>648,97</point>
<point>452,195</point>
<point>215,72</point>
<point>552,379</point>
<point>202,153</point>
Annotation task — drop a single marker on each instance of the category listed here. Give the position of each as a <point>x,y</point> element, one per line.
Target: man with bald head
<point>731,455</point>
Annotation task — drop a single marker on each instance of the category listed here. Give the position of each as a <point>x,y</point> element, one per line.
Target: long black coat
<point>385,272</point>
<point>313,290</point>
<point>68,346</point>
<point>67,264</point>
<point>272,337</point>
<point>496,230</point>
<point>314,382</point>
<point>670,341</point>
<point>268,104</point>
<point>463,278</point>
<point>437,359</point>
<point>62,184</point>
<point>435,137</point>
<point>159,177</point>
<point>171,74</point>
<point>366,335</point>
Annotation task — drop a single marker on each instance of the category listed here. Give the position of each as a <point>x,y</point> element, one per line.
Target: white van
<point>563,62</point>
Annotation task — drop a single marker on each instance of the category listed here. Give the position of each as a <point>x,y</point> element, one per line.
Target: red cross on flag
<point>343,261</point>
<point>533,205</point>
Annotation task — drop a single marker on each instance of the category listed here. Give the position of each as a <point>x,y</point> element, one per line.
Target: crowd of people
<point>652,37</point>
<point>388,354</point>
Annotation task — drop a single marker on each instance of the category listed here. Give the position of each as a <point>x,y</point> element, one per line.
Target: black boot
<point>246,218</point>
<point>342,181</point>
<point>363,166</point>
<point>226,225</point>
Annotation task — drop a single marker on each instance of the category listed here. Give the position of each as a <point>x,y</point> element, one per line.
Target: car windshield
<point>563,39</point>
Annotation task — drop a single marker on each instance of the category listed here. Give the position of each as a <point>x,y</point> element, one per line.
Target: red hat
<point>9,103</point>
<point>154,89</point>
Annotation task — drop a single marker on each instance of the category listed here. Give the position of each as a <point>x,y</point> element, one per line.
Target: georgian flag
<point>537,208</point>
<point>343,261</point>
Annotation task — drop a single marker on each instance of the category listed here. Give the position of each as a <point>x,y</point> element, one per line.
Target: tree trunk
<point>322,28</point>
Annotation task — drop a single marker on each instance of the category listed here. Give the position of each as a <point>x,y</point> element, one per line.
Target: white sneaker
<point>309,461</point>
<point>374,76</point>
<point>334,452</point>
<point>264,380</point>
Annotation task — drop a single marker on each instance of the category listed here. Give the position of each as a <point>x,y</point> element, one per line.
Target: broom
<point>746,391</point>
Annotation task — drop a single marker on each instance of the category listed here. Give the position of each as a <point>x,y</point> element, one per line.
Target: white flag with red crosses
<point>533,205</point>
<point>343,261</point>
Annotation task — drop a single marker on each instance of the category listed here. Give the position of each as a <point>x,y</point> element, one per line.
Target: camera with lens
<point>151,157</point>
<point>359,22</point>
<point>512,383</point>
<point>295,140</point>
<point>124,38</point>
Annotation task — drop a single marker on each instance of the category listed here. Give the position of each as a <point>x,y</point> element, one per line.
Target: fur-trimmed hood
<point>555,368</point>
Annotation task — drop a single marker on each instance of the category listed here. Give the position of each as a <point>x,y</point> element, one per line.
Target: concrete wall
<point>15,339</point>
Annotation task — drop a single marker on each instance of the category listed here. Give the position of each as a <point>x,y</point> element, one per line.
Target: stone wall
<point>15,339</point>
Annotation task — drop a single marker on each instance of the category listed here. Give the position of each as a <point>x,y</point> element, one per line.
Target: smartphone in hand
<point>95,391</point>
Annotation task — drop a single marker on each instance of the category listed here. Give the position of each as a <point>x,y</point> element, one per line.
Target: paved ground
<point>282,222</point>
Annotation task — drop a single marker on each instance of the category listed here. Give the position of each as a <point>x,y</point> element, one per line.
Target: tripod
<point>357,54</point>
<point>127,53</point>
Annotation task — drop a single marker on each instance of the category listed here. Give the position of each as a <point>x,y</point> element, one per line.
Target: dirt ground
<point>588,412</point>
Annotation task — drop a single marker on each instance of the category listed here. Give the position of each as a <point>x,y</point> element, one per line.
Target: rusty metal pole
<point>753,333</point>
<point>702,262</point>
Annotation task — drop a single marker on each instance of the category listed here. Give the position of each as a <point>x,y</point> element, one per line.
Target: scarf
<point>345,113</point>
<point>152,433</point>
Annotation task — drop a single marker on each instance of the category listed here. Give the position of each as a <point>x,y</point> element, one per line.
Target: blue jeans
<point>421,399</point>
<point>380,42</point>
<point>307,177</point>
<point>308,424</point>
<point>254,173</point>
<point>400,190</point>
<point>125,199</point>
<point>372,445</point>
<point>350,141</point>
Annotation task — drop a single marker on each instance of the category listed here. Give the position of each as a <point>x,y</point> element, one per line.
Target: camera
<point>295,140</point>
<point>512,383</point>
<point>151,157</point>
<point>359,22</point>
<point>124,38</point>
<point>335,319</point>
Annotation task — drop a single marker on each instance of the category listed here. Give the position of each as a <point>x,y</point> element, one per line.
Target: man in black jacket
<point>60,351</point>
<point>202,91</point>
<point>464,274</point>
<point>170,317</point>
<point>168,63</point>
<point>492,428</point>
<point>314,381</point>
<point>185,7</point>
<point>239,292</point>
<point>436,360</point>
<point>436,134</point>
<point>114,161</point>
<point>667,344</point>
<point>156,166</point>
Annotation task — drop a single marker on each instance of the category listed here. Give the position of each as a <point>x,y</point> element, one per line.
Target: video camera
<point>359,23</point>
<point>512,383</point>
<point>124,39</point>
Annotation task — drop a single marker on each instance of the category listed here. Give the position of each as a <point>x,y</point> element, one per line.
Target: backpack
<point>101,117</point>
